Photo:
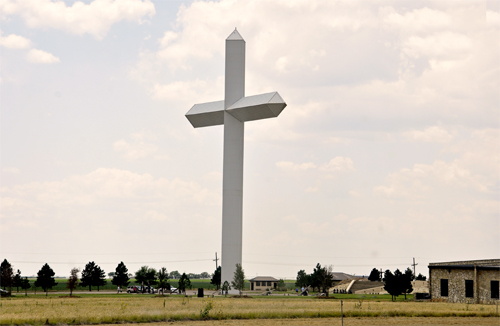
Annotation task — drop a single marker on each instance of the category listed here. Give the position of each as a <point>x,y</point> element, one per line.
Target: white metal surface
<point>233,112</point>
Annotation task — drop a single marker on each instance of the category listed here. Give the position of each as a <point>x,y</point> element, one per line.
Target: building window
<point>269,283</point>
<point>444,287</point>
<point>469,288</point>
<point>258,283</point>
<point>494,289</point>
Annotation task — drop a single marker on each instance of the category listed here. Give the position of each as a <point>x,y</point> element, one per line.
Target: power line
<point>153,262</point>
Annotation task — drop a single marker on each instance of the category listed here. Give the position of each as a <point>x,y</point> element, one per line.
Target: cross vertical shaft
<point>233,112</point>
<point>232,180</point>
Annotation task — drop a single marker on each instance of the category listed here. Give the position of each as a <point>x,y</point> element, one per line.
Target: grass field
<point>195,283</point>
<point>109,308</point>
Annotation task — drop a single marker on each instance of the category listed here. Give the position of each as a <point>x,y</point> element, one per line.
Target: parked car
<point>134,289</point>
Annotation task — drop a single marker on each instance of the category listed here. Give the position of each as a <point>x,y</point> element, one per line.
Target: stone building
<point>263,283</point>
<point>474,281</point>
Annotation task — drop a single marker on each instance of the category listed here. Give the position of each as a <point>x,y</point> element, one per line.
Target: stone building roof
<point>468,264</point>
<point>263,278</point>
<point>339,276</point>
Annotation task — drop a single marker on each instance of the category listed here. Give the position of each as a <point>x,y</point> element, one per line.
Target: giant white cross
<point>232,112</point>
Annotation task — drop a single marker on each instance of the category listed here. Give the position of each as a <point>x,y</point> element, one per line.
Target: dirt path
<point>375,321</point>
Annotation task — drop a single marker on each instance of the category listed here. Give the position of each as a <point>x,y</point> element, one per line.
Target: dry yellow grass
<point>360,321</point>
<point>145,309</point>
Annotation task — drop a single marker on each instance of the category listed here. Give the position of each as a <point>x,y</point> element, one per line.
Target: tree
<point>315,278</point>
<point>120,276</point>
<point>72,280</point>
<point>409,274</point>
<point>184,283</point>
<point>216,278</point>
<point>93,275</point>
<point>326,278</point>
<point>405,283</point>
<point>146,275</point>
<point>45,278</point>
<point>204,275</point>
<point>25,285</point>
<point>17,280</point>
<point>6,275</point>
<point>87,274</point>
<point>302,279</point>
<point>111,274</point>
<point>390,284</point>
<point>281,285</point>
<point>421,277</point>
<point>175,275</point>
<point>238,281</point>
<point>163,279</point>
<point>99,277</point>
<point>374,275</point>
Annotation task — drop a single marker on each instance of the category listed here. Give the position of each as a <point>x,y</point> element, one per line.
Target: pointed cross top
<point>235,36</point>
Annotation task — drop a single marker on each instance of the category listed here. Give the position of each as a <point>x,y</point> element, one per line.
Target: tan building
<point>474,281</point>
<point>263,283</point>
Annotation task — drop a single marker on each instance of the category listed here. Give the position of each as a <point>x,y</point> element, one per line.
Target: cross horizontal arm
<point>247,108</point>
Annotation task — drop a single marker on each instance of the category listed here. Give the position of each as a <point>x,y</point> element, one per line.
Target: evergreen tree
<point>216,278</point>
<point>45,278</point>
<point>238,281</point>
<point>406,278</point>
<point>391,284</point>
<point>6,275</point>
<point>421,277</point>
<point>302,279</point>
<point>93,275</point>
<point>184,283</point>
<point>325,278</point>
<point>315,278</point>
<point>25,285</point>
<point>99,277</point>
<point>281,285</point>
<point>120,277</point>
<point>17,280</point>
<point>374,275</point>
<point>72,280</point>
<point>87,275</point>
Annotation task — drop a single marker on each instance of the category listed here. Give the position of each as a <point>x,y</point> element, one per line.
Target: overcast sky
<point>388,148</point>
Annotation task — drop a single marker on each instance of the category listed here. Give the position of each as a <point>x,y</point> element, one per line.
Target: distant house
<point>339,277</point>
<point>263,283</point>
<point>474,281</point>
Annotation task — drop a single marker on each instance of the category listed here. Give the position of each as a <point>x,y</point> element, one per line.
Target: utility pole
<point>414,273</point>
<point>216,261</point>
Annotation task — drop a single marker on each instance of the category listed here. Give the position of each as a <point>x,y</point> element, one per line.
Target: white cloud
<point>493,18</point>
<point>418,20</point>
<point>40,56</point>
<point>290,166</point>
<point>103,189</point>
<point>137,148</point>
<point>445,45</point>
<point>13,41</point>
<point>474,171</point>
<point>181,90</point>
<point>422,180</point>
<point>432,134</point>
<point>94,18</point>
<point>336,165</point>
<point>11,170</point>
<point>339,164</point>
